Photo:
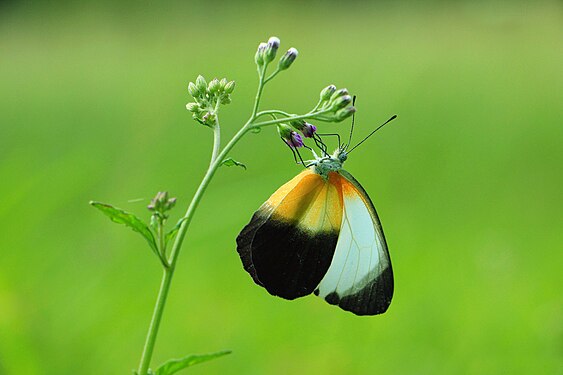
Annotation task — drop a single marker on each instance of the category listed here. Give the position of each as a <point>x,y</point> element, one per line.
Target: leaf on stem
<point>123,217</point>
<point>229,162</point>
<point>173,232</point>
<point>174,365</point>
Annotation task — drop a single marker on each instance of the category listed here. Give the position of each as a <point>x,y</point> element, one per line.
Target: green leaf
<point>229,162</point>
<point>173,232</point>
<point>256,130</point>
<point>174,365</point>
<point>123,217</point>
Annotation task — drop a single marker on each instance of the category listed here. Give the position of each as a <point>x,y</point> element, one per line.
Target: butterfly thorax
<point>330,163</point>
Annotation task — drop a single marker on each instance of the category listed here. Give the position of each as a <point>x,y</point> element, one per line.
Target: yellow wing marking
<point>309,201</point>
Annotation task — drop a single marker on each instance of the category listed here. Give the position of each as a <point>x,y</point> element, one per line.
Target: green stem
<point>261,83</point>
<point>216,142</point>
<point>216,160</point>
<point>155,321</point>
<point>272,76</point>
<point>286,119</point>
<point>217,157</point>
<point>167,277</point>
<point>272,111</point>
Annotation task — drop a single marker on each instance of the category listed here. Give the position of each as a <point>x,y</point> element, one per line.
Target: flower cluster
<point>289,133</point>
<point>208,97</point>
<point>161,203</point>
<point>336,103</point>
<point>266,53</point>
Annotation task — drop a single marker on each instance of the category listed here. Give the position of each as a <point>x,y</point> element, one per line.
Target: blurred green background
<point>467,182</point>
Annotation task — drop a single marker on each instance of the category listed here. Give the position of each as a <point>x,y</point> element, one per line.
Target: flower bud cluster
<point>337,103</point>
<point>207,97</point>
<point>266,53</point>
<point>161,203</point>
<point>290,136</point>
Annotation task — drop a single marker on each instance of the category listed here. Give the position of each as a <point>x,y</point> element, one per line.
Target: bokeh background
<point>467,182</point>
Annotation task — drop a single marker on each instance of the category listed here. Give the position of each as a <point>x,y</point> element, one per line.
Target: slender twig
<point>286,119</point>
<point>272,111</point>
<point>217,157</point>
<point>275,73</point>
<point>261,74</point>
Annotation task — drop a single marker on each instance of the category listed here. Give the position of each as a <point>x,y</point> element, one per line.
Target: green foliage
<point>169,237</point>
<point>229,162</point>
<point>174,365</point>
<point>120,216</point>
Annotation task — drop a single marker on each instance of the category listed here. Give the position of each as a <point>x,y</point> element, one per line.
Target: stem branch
<point>217,157</point>
<point>216,160</point>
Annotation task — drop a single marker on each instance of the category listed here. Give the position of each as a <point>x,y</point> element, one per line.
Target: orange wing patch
<point>309,201</point>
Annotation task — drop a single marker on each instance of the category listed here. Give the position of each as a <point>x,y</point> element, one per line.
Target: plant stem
<point>217,157</point>
<point>167,277</point>
<point>286,119</point>
<point>216,160</point>
<point>216,142</point>
<point>155,321</point>
<point>261,83</point>
<point>272,111</point>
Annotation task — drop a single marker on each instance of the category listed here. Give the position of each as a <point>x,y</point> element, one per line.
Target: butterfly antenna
<point>351,127</point>
<point>370,134</point>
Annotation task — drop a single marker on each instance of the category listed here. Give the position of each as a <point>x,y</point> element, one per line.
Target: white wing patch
<point>360,256</point>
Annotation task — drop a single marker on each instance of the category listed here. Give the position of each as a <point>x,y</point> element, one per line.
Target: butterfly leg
<point>320,144</point>
<point>333,135</point>
<point>293,151</point>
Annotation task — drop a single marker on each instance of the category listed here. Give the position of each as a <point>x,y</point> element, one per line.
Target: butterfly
<point>320,233</point>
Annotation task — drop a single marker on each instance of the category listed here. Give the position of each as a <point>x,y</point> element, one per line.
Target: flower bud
<point>304,127</point>
<point>288,59</point>
<point>223,83</point>
<point>327,92</point>
<point>192,89</point>
<point>209,118</point>
<point>170,203</point>
<point>259,57</point>
<point>271,49</point>
<point>214,86</point>
<point>338,93</point>
<point>192,107</point>
<point>344,113</point>
<point>225,99</point>
<point>201,84</point>
<point>161,203</point>
<point>341,102</point>
<point>290,136</point>
<point>230,87</point>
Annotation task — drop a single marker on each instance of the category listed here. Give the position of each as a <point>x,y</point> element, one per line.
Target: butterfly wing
<point>360,277</point>
<point>288,245</point>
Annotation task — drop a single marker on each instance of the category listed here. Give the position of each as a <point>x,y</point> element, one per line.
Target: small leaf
<point>229,162</point>
<point>173,232</point>
<point>123,217</point>
<point>255,130</point>
<point>174,365</point>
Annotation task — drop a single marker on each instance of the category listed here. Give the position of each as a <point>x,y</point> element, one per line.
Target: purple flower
<point>290,136</point>
<point>308,130</point>
<point>304,127</point>
<point>294,140</point>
